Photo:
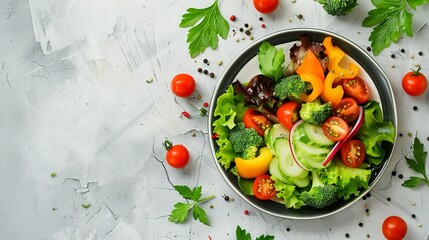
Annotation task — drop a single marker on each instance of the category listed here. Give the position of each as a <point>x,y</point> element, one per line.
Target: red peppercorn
<point>206,104</point>
<point>215,136</point>
<point>246,212</point>
<point>262,25</point>
<point>232,18</point>
<point>186,114</point>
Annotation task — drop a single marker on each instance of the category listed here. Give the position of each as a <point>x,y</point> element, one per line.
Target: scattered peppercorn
<point>360,224</point>
<point>420,53</point>
<point>262,25</point>
<point>402,50</point>
<point>364,198</point>
<point>368,236</point>
<point>392,56</point>
<point>288,229</point>
<point>368,49</point>
<point>400,134</point>
<point>241,29</point>
<point>413,215</point>
<point>427,138</point>
<point>211,206</point>
<point>226,197</point>
<point>400,176</point>
<point>261,19</point>
<point>410,134</point>
<point>388,199</point>
<point>347,235</point>
<point>246,25</point>
<point>415,108</point>
<point>393,173</point>
<point>199,70</point>
<point>53,175</point>
<point>206,72</point>
<point>212,75</point>
<point>246,212</point>
<point>232,18</point>
<point>300,16</point>
<point>367,210</point>
<point>247,32</point>
<point>205,104</point>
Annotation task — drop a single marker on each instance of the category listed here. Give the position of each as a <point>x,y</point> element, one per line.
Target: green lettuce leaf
<point>288,193</point>
<point>271,61</point>
<point>373,131</point>
<point>229,110</point>
<point>349,180</point>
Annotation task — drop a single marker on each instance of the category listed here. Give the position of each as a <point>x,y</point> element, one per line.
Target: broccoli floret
<point>291,86</point>
<point>338,7</point>
<point>245,141</point>
<point>315,112</point>
<point>320,195</point>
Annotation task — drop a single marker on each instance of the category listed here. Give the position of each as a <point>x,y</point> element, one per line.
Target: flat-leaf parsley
<point>390,20</point>
<point>241,234</point>
<point>205,33</point>
<point>181,210</point>
<point>417,164</point>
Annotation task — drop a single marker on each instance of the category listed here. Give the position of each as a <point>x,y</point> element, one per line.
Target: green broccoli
<point>320,195</point>
<point>245,141</point>
<point>338,7</point>
<point>291,86</point>
<point>315,112</point>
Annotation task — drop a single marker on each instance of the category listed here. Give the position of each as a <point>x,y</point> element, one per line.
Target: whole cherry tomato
<point>183,85</point>
<point>266,6</point>
<point>288,114</point>
<point>394,228</point>
<point>177,155</point>
<point>414,83</point>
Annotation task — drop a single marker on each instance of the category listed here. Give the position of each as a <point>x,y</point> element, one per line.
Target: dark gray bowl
<point>380,85</point>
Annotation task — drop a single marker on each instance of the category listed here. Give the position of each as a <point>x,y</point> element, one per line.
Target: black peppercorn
<point>211,75</point>
<point>368,49</point>
<point>400,176</point>
<point>199,70</point>
<point>393,173</point>
<point>402,50</point>
<point>246,25</point>
<point>247,32</point>
<point>392,56</point>
<point>420,53</point>
<point>347,235</point>
<point>261,19</point>
<point>413,215</point>
<point>415,108</point>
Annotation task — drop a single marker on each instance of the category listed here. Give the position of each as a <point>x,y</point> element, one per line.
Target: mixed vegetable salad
<point>304,133</point>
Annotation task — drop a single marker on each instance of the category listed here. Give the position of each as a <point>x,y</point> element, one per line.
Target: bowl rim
<point>365,59</point>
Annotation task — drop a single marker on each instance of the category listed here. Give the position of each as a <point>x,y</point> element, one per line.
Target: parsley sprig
<point>390,19</point>
<point>181,210</point>
<point>241,234</point>
<point>418,164</point>
<point>205,33</point>
<point>271,61</point>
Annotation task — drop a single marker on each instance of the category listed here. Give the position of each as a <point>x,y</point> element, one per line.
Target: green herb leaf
<point>418,164</point>
<point>179,213</point>
<point>181,210</point>
<point>205,33</point>
<point>271,61</point>
<point>241,234</point>
<point>200,214</point>
<point>390,19</point>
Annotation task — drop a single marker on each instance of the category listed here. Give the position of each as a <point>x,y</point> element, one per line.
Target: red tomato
<point>353,153</point>
<point>335,128</point>
<point>288,114</point>
<point>347,109</point>
<point>356,88</point>
<point>263,187</point>
<point>177,156</point>
<point>414,83</point>
<point>394,228</point>
<point>183,85</point>
<point>266,6</point>
<point>256,120</point>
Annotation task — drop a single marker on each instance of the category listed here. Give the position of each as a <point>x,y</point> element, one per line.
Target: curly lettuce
<point>229,110</point>
<point>349,180</point>
<point>373,131</point>
<point>288,193</point>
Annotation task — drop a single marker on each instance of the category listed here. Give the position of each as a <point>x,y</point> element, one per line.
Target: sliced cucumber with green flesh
<point>276,131</point>
<point>301,182</point>
<point>275,171</point>
<point>287,165</point>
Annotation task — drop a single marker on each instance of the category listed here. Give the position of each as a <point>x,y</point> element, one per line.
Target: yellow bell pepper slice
<point>254,167</point>
<point>330,94</point>
<point>335,55</point>
<point>310,64</point>
<point>317,85</point>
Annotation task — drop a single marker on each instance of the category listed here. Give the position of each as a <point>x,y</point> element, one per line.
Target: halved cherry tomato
<point>266,6</point>
<point>356,88</point>
<point>353,153</point>
<point>183,85</point>
<point>256,120</point>
<point>288,114</point>
<point>263,187</point>
<point>394,228</point>
<point>414,83</point>
<point>347,109</point>
<point>335,128</point>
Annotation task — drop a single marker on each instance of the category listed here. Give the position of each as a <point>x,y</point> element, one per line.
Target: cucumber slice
<point>275,171</point>
<point>316,134</point>
<point>301,182</point>
<point>276,131</point>
<point>287,165</point>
